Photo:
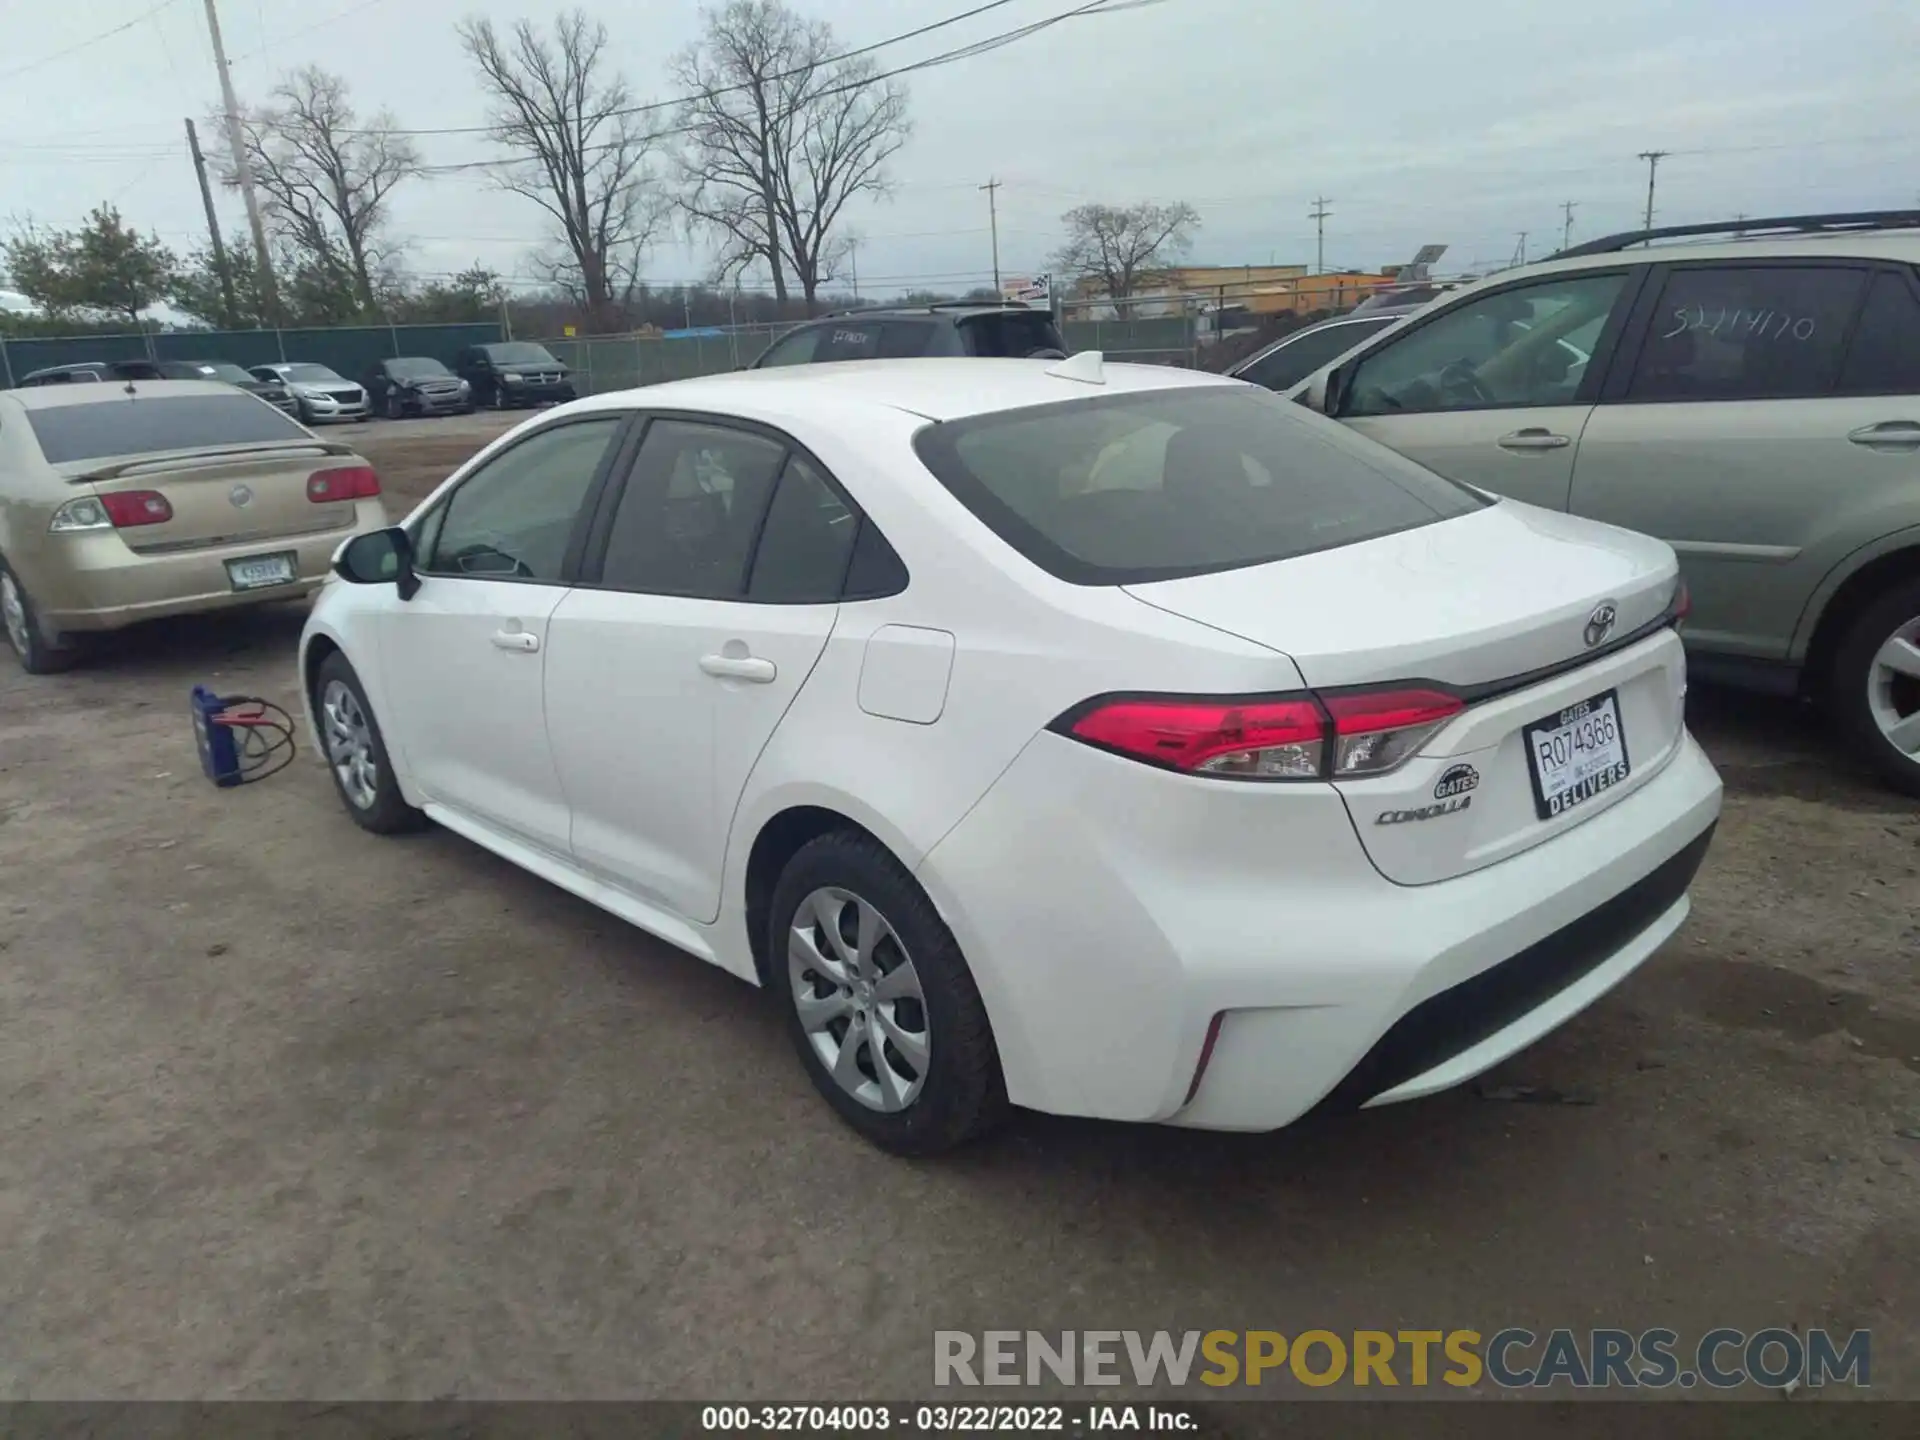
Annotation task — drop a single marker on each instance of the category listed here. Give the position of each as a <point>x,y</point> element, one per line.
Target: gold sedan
<point>127,502</point>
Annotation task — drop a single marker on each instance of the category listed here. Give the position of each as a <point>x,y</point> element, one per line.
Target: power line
<point>282,38</point>
<point>88,43</point>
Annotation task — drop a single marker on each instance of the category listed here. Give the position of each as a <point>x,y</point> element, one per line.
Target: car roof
<point>943,389</point>
<point>958,310</point>
<point>53,397</point>
<point>1902,247</point>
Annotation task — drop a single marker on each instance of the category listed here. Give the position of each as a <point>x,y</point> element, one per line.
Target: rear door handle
<point>1533,438</point>
<point>516,640</point>
<point>1888,435</point>
<point>739,667</point>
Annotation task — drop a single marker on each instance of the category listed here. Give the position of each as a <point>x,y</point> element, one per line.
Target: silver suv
<point>1752,398</point>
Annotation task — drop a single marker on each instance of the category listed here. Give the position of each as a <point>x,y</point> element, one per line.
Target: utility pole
<point>853,264</point>
<point>992,187</point>
<point>213,227</point>
<point>269,292</point>
<point>1520,250</point>
<point>1319,215</point>
<point>1566,230</point>
<point>1653,159</point>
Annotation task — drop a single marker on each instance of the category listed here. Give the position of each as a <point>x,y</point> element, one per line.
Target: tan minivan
<point>129,501</point>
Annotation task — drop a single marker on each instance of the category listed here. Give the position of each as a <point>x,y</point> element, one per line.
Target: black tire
<point>963,1095</point>
<point>30,645</point>
<point>498,399</point>
<point>386,812</point>
<point>1850,700</point>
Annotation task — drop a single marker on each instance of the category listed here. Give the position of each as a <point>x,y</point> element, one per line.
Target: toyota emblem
<point>1600,623</point>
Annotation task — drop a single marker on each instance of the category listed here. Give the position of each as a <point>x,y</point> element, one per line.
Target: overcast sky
<point>1464,123</point>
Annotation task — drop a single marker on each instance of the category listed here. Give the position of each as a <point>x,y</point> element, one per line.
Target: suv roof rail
<point>1839,224</point>
<point>903,309</point>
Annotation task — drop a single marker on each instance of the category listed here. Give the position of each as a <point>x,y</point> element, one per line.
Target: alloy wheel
<point>859,999</point>
<point>13,608</point>
<point>1893,689</point>
<point>349,739</point>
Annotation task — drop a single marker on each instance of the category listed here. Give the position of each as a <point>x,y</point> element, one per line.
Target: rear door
<point>1767,425</point>
<point>712,582</point>
<point>1496,389</point>
<point>465,658</point>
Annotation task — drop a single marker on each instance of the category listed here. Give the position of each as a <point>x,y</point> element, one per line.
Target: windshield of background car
<point>148,424</point>
<point>421,369</point>
<point>1012,334</point>
<point>314,375</point>
<point>520,355</point>
<point>227,373</point>
<point>1152,486</point>
<point>1305,352</point>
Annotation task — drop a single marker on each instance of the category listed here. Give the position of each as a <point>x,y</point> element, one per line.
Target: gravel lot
<point>291,1111</point>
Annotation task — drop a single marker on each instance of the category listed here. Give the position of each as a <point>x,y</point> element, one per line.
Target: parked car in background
<point>1748,392</point>
<point>274,392</point>
<point>509,374</point>
<point>86,372</point>
<point>319,394</point>
<point>181,496</point>
<point>416,385</point>
<point>1297,354</point>
<point>900,332</point>
<point>1118,741</point>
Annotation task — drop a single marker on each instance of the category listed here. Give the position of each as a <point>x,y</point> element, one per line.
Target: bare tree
<point>325,179</point>
<point>1125,247</point>
<point>581,154</point>
<point>781,135</point>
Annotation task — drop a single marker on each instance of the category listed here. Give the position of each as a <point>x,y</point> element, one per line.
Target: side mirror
<point>1333,390</point>
<point>380,557</point>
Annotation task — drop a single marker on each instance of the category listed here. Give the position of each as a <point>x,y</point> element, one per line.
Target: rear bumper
<point>1116,918</point>
<point>93,581</point>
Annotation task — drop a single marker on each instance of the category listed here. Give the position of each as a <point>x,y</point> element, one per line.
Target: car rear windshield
<point>520,354</point>
<point>144,425</point>
<point>1165,483</point>
<point>1012,334</point>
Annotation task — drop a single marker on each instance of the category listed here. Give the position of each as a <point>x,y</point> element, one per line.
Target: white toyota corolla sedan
<point>1110,740</point>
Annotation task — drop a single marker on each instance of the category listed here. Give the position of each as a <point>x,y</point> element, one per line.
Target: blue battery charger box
<point>219,757</point>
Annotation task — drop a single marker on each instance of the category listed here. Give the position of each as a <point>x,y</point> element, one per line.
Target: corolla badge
<point>241,496</point>
<point>1600,623</point>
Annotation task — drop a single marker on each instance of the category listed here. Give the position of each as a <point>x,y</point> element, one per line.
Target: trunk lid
<point>226,495</point>
<point>1502,608</point>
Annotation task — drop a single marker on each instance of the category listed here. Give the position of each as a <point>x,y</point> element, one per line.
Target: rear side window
<point>1885,356</point>
<point>1747,332</point>
<point>142,425</point>
<point>1298,358</point>
<point>1012,334</point>
<point>1153,486</point>
<point>805,543</point>
<point>905,339</point>
<point>848,342</point>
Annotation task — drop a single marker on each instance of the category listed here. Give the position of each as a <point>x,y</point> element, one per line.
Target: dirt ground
<point>286,1110</point>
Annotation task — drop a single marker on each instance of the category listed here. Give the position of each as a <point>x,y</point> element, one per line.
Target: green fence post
<point>6,365</point>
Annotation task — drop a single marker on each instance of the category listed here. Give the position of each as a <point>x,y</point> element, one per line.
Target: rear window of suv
<point>1156,485</point>
<point>143,426</point>
<point>1011,334</point>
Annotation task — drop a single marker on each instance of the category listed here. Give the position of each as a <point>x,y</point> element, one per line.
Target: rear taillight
<point>344,482</point>
<point>118,510</point>
<point>1277,739</point>
<point>1377,729</point>
<point>1283,737</point>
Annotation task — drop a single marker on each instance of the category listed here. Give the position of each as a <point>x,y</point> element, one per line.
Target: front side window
<point>795,349</point>
<point>1294,359</point>
<point>686,520</point>
<point>1747,332</point>
<point>1527,346</point>
<point>511,518</point>
<point>1160,484</point>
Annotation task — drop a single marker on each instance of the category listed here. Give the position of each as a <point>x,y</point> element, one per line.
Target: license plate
<point>1577,754</point>
<point>257,572</point>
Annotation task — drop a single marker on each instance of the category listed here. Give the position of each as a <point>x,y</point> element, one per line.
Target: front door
<point>677,657</point>
<point>1495,390</point>
<point>465,658</point>
<point>1766,422</point>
